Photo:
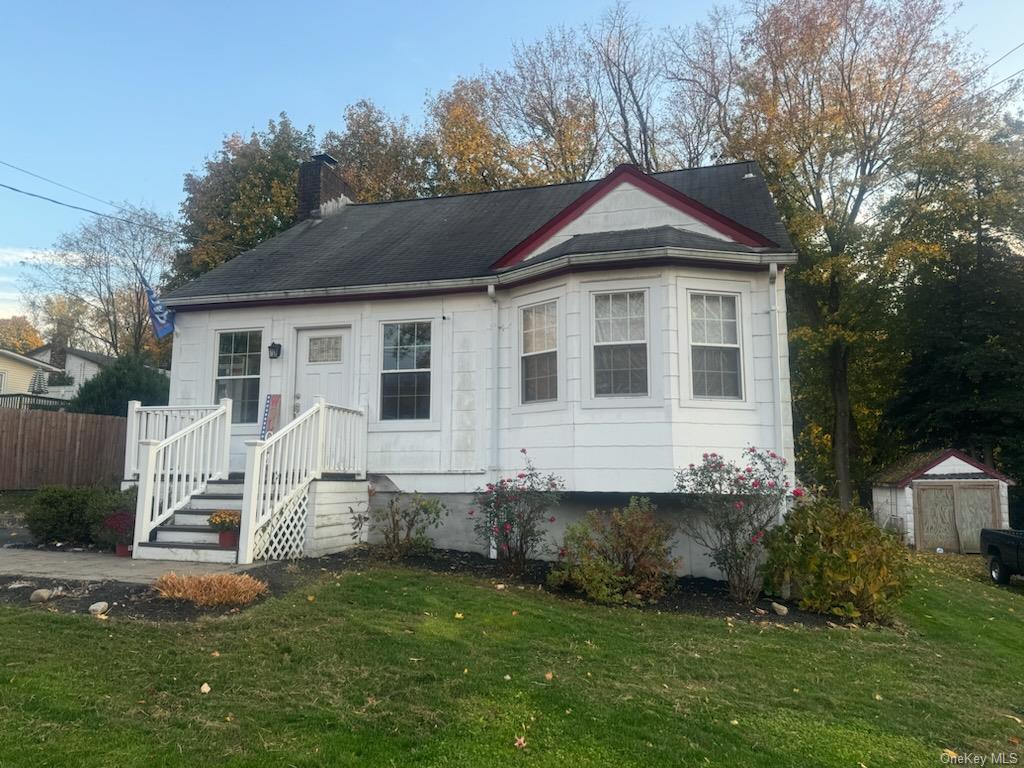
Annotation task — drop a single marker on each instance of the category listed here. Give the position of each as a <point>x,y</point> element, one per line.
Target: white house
<point>80,364</point>
<point>616,329</point>
<point>941,499</point>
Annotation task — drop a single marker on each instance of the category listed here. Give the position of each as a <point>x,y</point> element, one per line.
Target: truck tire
<point>998,571</point>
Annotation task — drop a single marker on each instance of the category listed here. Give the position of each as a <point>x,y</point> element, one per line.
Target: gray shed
<point>941,500</point>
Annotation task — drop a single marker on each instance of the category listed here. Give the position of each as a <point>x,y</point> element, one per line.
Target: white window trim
<point>653,398</point>
<point>433,424</point>
<point>742,290</point>
<point>534,299</point>
<point>738,345</point>
<point>3,382</point>
<point>243,427</point>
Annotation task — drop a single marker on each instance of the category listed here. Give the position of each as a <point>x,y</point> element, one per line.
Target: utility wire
<point>63,186</point>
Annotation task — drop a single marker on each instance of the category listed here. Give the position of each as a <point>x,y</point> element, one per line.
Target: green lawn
<point>377,670</point>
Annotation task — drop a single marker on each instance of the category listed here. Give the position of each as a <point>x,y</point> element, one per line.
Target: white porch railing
<point>278,471</point>
<point>156,423</point>
<point>171,470</point>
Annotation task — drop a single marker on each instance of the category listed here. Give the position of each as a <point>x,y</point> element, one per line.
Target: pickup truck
<point>1005,552</point>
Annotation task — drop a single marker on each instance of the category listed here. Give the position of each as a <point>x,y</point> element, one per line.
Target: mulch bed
<point>691,595</point>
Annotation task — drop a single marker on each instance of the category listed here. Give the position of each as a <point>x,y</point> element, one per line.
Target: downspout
<point>495,463</point>
<point>773,333</point>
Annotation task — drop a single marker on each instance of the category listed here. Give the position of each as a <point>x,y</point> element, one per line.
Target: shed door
<point>976,507</point>
<point>936,519</point>
<point>322,368</point>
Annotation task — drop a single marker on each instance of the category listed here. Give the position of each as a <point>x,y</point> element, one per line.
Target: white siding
<point>595,444</point>
<point>626,207</point>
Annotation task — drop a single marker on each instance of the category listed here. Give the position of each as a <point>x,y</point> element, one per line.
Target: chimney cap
<point>324,159</point>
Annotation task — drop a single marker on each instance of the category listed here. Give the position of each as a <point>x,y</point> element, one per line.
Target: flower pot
<point>123,550</point>
<point>228,539</point>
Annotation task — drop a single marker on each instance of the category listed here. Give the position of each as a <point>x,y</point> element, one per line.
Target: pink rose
<point>798,492</point>
<point>551,519</point>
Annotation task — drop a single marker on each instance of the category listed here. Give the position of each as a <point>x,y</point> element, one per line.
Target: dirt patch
<point>692,595</point>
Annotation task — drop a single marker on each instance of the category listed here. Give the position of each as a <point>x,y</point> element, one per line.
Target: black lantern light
<point>274,350</point>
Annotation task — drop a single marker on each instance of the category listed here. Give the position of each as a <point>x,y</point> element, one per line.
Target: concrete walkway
<point>91,566</point>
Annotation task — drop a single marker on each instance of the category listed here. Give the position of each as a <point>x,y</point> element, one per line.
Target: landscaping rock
<point>780,610</point>
<point>98,609</point>
<point>40,596</point>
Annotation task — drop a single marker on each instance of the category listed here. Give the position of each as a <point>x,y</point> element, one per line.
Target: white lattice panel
<point>284,536</point>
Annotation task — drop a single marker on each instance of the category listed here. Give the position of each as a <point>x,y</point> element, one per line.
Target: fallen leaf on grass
<point>734,722</point>
<point>520,742</point>
<point>878,697</point>
<point>507,677</point>
<point>204,688</point>
<point>215,654</point>
<point>459,616</point>
<point>549,676</point>
<point>950,753</point>
<point>311,598</point>
<point>1015,719</point>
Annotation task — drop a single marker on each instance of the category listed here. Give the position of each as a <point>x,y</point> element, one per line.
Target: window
<point>715,346</point>
<point>324,349</point>
<point>620,343</point>
<point>238,373</point>
<point>405,371</point>
<point>540,353</point>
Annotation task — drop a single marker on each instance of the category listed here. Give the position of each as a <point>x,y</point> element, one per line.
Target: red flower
<point>798,492</point>
<point>522,451</point>
<point>521,475</point>
<point>771,483</point>
<point>757,537</point>
<point>561,552</point>
<point>508,527</point>
<point>738,505</point>
<point>551,519</point>
<point>756,483</point>
<point>471,512</point>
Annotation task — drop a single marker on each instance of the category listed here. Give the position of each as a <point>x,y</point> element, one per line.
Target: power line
<point>63,186</point>
<point>90,210</point>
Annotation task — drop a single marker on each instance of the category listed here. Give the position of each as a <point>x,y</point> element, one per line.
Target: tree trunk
<point>839,371</point>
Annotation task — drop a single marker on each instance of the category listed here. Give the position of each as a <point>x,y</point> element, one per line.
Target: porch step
<point>197,553</point>
<point>187,534</point>
<point>215,500</point>
<point>231,485</point>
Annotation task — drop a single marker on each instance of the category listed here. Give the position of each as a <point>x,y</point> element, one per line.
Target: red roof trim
<point>953,453</point>
<point>658,189</point>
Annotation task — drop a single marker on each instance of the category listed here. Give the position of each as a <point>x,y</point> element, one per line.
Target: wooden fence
<point>40,448</point>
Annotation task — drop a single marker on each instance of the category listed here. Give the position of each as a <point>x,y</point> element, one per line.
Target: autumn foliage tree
<point>19,335</point>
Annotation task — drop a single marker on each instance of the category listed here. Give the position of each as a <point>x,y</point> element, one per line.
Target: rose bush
<point>735,505</point>
<point>511,514</point>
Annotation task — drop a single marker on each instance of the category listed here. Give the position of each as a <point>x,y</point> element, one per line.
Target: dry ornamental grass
<point>211,589</point>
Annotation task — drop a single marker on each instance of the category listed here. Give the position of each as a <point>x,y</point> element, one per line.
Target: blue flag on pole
<point>162,317</point>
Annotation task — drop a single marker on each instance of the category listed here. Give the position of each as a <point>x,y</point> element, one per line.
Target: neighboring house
<point>941,499</point>
<point>80,364</point>
<point>17,370</point>
<point>616,329</point>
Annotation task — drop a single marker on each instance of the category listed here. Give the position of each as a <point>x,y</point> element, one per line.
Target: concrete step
<point>211,500</point>
<point>188,534</point>
<point>196,553</point>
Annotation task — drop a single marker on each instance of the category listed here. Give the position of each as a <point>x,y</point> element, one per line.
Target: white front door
<point>323,367</point>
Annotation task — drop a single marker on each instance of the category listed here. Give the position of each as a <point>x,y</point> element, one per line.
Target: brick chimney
<point>320,183</point>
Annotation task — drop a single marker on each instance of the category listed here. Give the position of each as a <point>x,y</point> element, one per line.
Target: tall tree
<point>628,76</point>
<point>245,194</point>
<point>474,154</point>
<point>381,157</point>
<point>836,99</point>
<point>98,269</point>
<point>546,100</point>
<point>964,304</point>
<point>19,335</point>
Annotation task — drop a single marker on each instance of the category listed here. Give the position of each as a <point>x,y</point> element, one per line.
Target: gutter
<point>507,279</point>
<point>773,332</point>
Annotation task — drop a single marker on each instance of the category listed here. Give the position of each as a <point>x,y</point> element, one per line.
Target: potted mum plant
<point>227,522</point>
<point>117,531</point>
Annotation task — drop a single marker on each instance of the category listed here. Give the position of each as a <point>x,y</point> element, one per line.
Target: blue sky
<point>121,99</point>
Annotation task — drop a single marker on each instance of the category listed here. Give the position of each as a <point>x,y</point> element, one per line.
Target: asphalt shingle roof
<point>454,237</point>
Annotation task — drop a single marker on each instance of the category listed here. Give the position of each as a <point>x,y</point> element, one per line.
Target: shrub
<point>836,562</point>
<point>114,529</point>
<point>226,520</point>
<point>59,513</point>
<point>211,589</point>
<point>403,528</point>
<point>618,556</point>
<point>127,379</point>
<point>735,506</point>
<point>511,513</point>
